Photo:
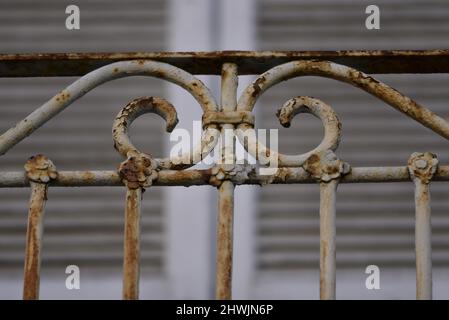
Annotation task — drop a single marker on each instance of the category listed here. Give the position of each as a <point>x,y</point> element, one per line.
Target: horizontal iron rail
<point>18,179</point>
<point>248,62</point>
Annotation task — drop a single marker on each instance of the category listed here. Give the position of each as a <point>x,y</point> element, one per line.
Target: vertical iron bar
<point>131,261</point>
<point>223,290</point>
<point>422,167</point>
<point>423,247</point>
<point>328,170</point>
<point>327,239</point>
<point>224,240</point>
<point>136,172</point>
<point>39,171</point>
<point>34,241</point>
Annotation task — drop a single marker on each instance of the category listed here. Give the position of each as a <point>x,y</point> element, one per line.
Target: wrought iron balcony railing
<point>140,170</point>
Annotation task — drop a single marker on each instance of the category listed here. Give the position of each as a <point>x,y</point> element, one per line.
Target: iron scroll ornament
<point>241,117</point>
<point>140,170</point>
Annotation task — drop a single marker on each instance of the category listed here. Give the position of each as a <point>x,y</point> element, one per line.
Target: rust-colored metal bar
<point>40,170</point>
<point>31,277</point>
<point>223,289</point>
<point>131,259</point>
<point>422,167</point>
<point>248,62</point>
<point>136,172</point>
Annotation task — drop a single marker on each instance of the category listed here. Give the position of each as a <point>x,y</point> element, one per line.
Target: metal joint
<point>228,117</point>
<point>237,173</point>
<point>325,166</point>
<point>422,166</point>
<point>138,171</point>
<point>40,169</point>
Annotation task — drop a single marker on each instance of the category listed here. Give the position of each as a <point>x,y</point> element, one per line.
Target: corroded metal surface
<point>348,75</point>
<point>133,110</point>
<point>131,252</point>
<point>140,170</point>
<point>238,174</point>
<point>223,288</point>
<point>137,172</point>
<point>328,264</point>
<point>248,62</point>
<point>225,220</point>
<point>17,179</point>
<point>325,166</point>
<point>327,169</point>
<point>92,80</point>
<point>422,167</point>
<point>286,113</point>
<point>40,170</point>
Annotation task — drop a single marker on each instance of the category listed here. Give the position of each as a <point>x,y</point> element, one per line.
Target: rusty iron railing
<point>140,170</point>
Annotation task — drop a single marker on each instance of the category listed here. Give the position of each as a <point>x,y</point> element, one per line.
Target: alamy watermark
<point>73,279</point>
<point>72,22</point>
<point>373,280</point>
<point>372,22</point>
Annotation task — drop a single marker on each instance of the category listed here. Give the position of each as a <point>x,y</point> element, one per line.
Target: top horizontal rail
<point>249,62</point>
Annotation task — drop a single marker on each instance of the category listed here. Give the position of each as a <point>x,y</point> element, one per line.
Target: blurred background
<point>276,227</point>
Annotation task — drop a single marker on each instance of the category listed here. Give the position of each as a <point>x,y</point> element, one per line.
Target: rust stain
<point>134,109</point>
<point>32,256</point>
<point>132,245</point>
<point>88,176</point>
<point>325,166</point>
<point>63,96</point>
<point>257,86</point>
<point>323,263</point>
<point>160,74</point>
<point>138,171</point>
<point>40,169</point>
<point>313,164</point>
<point>184,177</point>
<point>224,242</point>
<point>422,166</point>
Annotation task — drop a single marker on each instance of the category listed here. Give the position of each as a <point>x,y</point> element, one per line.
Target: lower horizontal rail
<point>187,178</point>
